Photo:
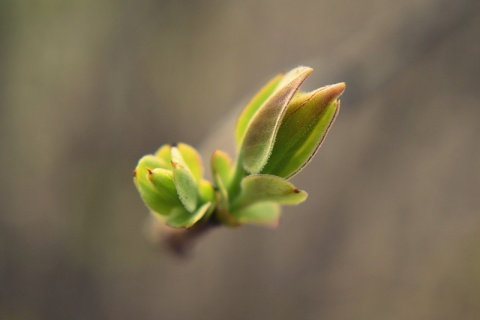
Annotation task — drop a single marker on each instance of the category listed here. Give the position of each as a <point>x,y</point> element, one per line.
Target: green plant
<point>276,136</point>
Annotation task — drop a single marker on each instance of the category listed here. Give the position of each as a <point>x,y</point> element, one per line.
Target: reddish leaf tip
<point>336,90</point>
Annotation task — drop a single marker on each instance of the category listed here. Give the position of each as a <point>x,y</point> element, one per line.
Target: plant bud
<point>304,127</point>
<point>171,185</point>
<point>259,138</point>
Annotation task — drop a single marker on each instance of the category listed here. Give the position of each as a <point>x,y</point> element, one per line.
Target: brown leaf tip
<point>337,89</point>
<point>134,173</point>
<point>296,190</point>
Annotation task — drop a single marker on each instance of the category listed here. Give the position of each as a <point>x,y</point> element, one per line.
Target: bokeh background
<point>392,226</point>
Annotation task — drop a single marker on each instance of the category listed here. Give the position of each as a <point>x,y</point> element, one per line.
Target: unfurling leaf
<point>186,187</point>
<point>252,107</point>
<point>192,160</point>
<point>159,199</point>
<point>303,129</point>
<point>267,188</point>
<point>262,129</point>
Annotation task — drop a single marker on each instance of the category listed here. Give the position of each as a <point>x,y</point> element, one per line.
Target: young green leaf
<point>162,180</point>
<point>181,218</point>
<point>261,131</point>
<point>164,154</point>
<point>192,160</point>
<point>261,213</point>
<point>152,198</point>
<point>304,127</point>
<point>205,191</point>
<point>149,161</point>
<point>157,199</point>
<point>186,186</point>
<point>221,169</point>
<point>267,188</point>
<point>252,107</point>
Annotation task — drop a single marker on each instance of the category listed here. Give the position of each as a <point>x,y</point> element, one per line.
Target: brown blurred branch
<point>179,241</point>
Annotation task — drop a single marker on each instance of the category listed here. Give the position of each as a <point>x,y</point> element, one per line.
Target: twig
<point>181,241</point>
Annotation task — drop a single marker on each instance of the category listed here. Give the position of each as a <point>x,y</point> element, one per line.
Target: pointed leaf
<point>303,129</point>
<point>260,136</point>
<point>267,188</point>
<point>152,198</point>
<point>262,213</point>
<point>162,179</point>
<point>164,154</point>
<point>252,107</point>
<point>149,161</point>
<point>181,218</point>
<point>192,160</point>
<point>186,186</point>
<point>177,159</point>
<point>206,192</point>
<point>221,170</point>
<point>156,199</point>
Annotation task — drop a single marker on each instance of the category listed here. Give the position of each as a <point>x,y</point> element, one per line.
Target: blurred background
<point>392,226</point>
